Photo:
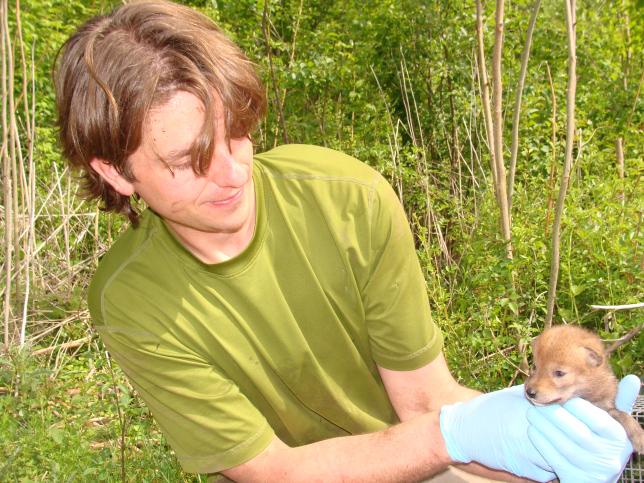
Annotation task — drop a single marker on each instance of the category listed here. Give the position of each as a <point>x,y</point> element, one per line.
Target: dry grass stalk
<point>392,139</point>
<point>7,184</point>
<point>50,239</point>
<point>413,127</point>
<point>64,346</point>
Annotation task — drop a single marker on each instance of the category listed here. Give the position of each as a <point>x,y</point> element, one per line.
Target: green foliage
<point>65,425</point>
<point>394,84</point>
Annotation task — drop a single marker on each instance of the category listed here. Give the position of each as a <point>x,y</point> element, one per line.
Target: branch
<point>618,307</point>
<point>517,102</point>
<point>267,40</point>
<point>484,86</point>
<point>72,344</point>
<point>553,140</point>
<point>497,102</point>
<point>565,177</point>
<point>624,339</point>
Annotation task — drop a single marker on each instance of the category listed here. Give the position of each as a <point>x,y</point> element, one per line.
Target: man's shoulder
<point>131,249</point>
<point>308,161</point>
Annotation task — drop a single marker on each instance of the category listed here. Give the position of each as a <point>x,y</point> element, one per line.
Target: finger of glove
<point>597,420</point>
<point>574,441</point>
<point>627,391</point>
<point>449,426</point>
<point>565,470</point>
<point>533,472</point>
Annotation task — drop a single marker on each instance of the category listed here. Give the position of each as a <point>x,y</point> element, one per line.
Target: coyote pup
<point>570,361</point>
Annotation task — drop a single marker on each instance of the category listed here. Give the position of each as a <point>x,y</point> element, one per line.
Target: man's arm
<point>409,451</point>
<point>427,389</point>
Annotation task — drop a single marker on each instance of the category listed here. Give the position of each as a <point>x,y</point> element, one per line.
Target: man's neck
<point>212,248</point>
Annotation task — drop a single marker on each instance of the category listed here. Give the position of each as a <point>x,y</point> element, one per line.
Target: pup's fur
<point>570,361</point>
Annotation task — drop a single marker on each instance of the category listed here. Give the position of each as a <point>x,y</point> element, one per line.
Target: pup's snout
<point>530,392</point>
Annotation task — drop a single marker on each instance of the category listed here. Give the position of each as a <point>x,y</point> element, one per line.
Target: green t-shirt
<point>286,337</point>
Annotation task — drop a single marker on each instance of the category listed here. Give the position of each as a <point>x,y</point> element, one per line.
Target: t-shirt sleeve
<point>402,333</point>
<point>205,418</point>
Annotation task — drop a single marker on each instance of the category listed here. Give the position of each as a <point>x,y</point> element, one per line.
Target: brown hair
<point>116,67</point>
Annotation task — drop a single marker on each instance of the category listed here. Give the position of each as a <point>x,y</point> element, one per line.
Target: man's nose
<point>224,170</point>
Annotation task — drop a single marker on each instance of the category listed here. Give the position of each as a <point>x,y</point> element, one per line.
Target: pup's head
<point>565,360</point>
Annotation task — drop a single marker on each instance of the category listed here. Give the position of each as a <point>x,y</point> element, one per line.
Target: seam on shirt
<point>414,354</point>
<point>275,175</point>
<point>119,330</point>
<point>371,202</point>
<point>370,185</point>
<point>120,269</point>
<point>220,456</point>
<point>238,273</point>
<point>260,243</point>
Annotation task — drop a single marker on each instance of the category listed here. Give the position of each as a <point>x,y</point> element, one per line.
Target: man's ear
<point>111,176</point>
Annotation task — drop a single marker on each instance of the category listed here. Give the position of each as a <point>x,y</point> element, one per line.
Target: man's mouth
<point>228,200</point>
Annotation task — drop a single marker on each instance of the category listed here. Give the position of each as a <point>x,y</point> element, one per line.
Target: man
<point>270,309</point>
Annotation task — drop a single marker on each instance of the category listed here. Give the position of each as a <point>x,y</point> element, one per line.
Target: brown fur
<point>570,361</point>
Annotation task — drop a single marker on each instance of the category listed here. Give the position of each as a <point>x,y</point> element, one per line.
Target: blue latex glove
<point>627,392</point>
<point>581,442</point>
<point>492,429</point>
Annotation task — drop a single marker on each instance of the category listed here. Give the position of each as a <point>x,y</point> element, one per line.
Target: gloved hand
<point>492,429</point>
<point>581,442</point>
<point>627,391</point>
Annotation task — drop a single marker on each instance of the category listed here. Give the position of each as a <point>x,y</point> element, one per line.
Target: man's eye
<point>182,166</point>
<point>173,168</point>
<point>559,373</point>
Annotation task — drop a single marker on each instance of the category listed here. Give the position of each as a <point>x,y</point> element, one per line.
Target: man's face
<point>221,202</point>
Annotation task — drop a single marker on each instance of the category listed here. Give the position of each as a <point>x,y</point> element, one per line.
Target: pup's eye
<point>559,373</point>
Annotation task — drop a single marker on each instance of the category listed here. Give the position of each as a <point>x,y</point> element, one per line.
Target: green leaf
<point>56,434</point>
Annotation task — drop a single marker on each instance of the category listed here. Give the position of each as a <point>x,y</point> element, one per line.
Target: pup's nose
<point>531,393</point>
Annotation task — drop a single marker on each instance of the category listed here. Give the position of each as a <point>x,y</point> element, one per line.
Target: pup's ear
<point>593,358</point>
<point>533,343</point>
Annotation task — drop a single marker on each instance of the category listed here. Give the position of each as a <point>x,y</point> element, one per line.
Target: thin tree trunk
<point>484,86</point>
<point>497,103</point>
<point>553,161</point>
<point>525,55</point>
<point>278,104</point>
<point>565,177</point>
<point>291,58</point>
<point>619,149</point>
<point>493,116</point>
<point>627,45</point>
